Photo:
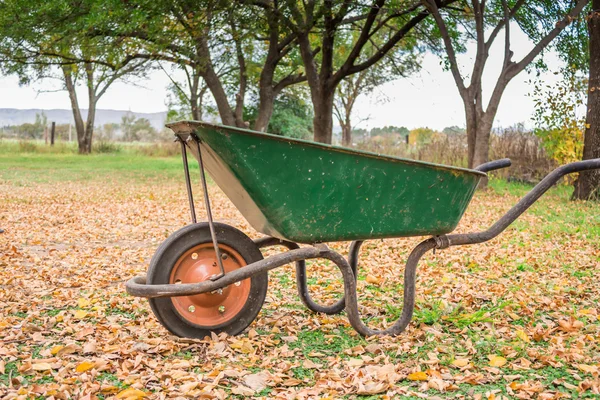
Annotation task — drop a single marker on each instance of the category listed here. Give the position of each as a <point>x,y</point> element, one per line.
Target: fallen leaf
<point>256,382</point>
<point>80,314</point>
<point>131,394</point>
<point>85,366</point>
<point>83,302</point>
<point>43,366</point>
<point>371,388</point>
<point>521,334</point>
<point>418,376</point>
<point>460,362</point>
<point>496,361</point>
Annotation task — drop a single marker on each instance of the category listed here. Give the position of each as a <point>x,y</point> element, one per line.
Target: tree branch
<point>434,10</point>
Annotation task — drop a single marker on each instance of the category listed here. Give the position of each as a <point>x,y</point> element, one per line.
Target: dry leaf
<point>256,382</point>
<point>85,366</point>
<point>460,362</point>
<point>43,366</point>
<point>521,334</point>
<point>83,302</point>
<point>418,376</point>
<point>496,361</point>
<point>131,394</point>
<point>372,388</point>
<point>80,314</point>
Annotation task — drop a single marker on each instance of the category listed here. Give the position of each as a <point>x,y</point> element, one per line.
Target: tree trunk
<point>481,149</point>
<point>194,97</point>
<point>347,126</point>
<point>587,185</point>
<point>265,111</point>
<point>89,126</point>
<point>323,120</point>
<point>471,116</point>
<point>346,135</point>
<point>196,114</point>
<point>266,97</point>
<point>79,126</point>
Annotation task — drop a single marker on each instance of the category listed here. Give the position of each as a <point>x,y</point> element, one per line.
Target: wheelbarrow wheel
<point>188,256</point>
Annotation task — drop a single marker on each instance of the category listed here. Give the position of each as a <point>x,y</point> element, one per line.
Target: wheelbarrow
<point>210,277</point>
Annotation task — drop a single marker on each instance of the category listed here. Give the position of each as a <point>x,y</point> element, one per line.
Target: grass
<point>570,218</point>
<point>26,165</point>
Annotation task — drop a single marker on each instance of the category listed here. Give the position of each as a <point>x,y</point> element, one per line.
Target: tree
<point>39,40</point>
<point>587,185</point>
<point>186,100</point>
<point>543,20</point>
<point>230,45</point>
<point>454,131</point>
<point>421,136</point>
<point>292,115</point>
<point>558,122</point>
<point>317,25</point>
<point>399,62</point>
<point>347,92</point>
<point>390,130</point>
<point>127,127</point>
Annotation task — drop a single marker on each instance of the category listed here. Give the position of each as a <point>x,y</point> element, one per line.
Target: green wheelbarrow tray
<point>309,192</point>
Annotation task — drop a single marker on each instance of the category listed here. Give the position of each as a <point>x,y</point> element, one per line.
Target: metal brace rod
<point>208,210</point>
<point>188,184</point>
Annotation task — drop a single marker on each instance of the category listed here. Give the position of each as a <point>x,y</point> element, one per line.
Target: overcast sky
<point>428,98</point>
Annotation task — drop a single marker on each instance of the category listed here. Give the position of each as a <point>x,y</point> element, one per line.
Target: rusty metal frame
<point>137,286</point>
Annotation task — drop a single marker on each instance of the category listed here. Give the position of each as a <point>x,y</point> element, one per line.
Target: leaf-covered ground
<point>518,317</point>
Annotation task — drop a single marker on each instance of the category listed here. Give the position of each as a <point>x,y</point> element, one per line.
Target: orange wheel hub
<point>215,308</point>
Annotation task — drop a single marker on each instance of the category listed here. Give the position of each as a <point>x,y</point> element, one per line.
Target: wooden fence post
<point>52,133</point>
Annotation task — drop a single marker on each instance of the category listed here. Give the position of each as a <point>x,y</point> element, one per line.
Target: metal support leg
<point>301,278</point>
<point>188,184</point>
<point>207,205</point>
<point>409,291</point>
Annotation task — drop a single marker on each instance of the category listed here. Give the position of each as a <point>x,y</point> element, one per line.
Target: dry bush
<point>159,149</point>
<point>530,161</point>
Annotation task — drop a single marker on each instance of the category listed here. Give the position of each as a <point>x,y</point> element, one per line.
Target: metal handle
<point>493,165</point>
<point>520,207</point>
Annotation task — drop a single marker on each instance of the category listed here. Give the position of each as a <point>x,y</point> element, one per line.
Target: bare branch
<point>434,10</point>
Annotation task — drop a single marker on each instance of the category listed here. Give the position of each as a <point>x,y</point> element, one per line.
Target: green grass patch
<point>331,344</point>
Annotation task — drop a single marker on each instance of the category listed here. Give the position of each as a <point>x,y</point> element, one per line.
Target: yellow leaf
<point>496,361</point>
<point>80,314</point>
<point>460,362</point>
<point>83,302</point>
<point>55,350</point>
<point>418,376</point>
<point>85,366</point>
<point>373,280</point>
<point>131,394</point>
<point>522,335</point>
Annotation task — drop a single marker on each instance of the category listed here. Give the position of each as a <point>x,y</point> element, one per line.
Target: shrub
<point>106,148</point>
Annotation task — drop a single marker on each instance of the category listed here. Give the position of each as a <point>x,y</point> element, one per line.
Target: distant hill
<point>13,116</point>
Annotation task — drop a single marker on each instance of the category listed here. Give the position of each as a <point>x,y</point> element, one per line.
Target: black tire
<point>172,249</point>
